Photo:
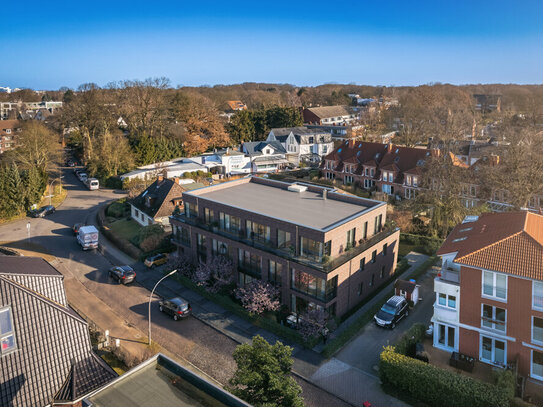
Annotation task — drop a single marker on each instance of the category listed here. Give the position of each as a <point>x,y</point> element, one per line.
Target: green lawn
<point>405,248</point>
<point>125,229</point>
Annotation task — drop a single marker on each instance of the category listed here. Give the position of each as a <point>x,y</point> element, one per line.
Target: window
<point>372,280</point>
<point>191,210</point>
<point>362,263</point>
<point>374,256</point>
<point>283,238</point>
<point>537,365</point>
<point>537,295</point>
<point>275,272</point>
<point>446,336</point>
<point>311,249</point>
<point>256,231</point>
<point>492,351</point>
<point>377,225</point>
<point>208,215</point>
<point>328,248</point>
<point>7,332</point>
<point>382,274</point>
<point>219,248</point>
<point>351,237</point>
<point>360,287</point>
<point>184,236</point>
<point>250,262</point>
<point>445,300</point>
<point>415,181</point>
<point>314,286</point>
<point>408,180</point>
<point>365,234</point>
<point>229,223</point>
<point>493,317</point>
<point>385,247</point>
<point>537,329</point>
<point>494,285</point>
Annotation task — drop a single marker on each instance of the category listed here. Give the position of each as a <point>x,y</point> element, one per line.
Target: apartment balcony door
<point>446,337</point>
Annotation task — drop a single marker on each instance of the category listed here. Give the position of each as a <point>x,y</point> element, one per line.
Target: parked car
<point>156,260</point>
<point>82,177</point>
<point>92,184</point>
<point>392,312</point>
<point>76,228</point>
<point>43,211</point>
<point>176,307</point>
<point>123,274</point>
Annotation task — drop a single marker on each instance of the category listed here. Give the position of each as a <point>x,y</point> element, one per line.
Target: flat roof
<point>162,382</point>
<point>303,208</point>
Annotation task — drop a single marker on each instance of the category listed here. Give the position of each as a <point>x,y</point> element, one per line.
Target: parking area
<point>364,350</point>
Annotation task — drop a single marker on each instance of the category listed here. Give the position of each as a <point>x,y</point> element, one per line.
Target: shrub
<point>518,402</point>
<point>116,210</point>
<point>150,243</point>
<point>406,343</point>
<point>435,386</point>
<point>150,230</point>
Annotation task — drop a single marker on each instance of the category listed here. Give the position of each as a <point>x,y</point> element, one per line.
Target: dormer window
<point>8,131</point>
<point>7,332</point>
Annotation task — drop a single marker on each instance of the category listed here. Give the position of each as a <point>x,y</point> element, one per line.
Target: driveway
<point>363,351</point>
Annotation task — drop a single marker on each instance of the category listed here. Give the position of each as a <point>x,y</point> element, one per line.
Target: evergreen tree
<point>241,127</point>
<point>14,191</point>
<point>34,185</point>
<point>263,375</point>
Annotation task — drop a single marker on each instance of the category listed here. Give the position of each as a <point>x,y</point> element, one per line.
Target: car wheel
<point>393,325</point>
<point>175,317</point>
<point>160,308</point>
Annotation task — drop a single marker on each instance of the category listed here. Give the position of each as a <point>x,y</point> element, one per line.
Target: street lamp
<point>151,298</point>
<point>50,194</point>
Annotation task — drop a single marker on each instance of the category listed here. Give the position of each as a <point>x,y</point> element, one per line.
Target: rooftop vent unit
<point>297,188</point>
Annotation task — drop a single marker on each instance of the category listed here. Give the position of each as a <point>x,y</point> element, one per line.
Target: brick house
<point>391,169</point>
<point>323,248</point>
<point>489,293</point>
<point>9,131</point>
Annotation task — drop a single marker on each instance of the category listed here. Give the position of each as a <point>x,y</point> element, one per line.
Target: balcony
<point>447,275</point>
<point>288,252</point>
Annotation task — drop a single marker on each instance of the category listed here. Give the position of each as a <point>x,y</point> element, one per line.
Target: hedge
<point>435,386</point>
<point>406,343</point>
<point>428,245</point>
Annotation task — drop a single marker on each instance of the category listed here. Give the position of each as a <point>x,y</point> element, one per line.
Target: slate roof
<point>54,356</point>
<point>510,242</point>
<point>157,200</point>
<point>256,147</point>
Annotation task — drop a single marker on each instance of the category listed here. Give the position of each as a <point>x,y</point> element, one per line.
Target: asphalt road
<point>195,341</point>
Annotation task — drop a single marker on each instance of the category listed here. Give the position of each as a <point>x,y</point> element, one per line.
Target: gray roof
<point>281,133</point>
<point>307,208</point>
<point>160,381</point>
<point>331,111</point>
<point>54,359</point>
<point>256,147</point>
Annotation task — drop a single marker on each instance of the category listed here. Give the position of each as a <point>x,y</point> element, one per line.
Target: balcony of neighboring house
<point>447,291</point>
<point>310,256</point>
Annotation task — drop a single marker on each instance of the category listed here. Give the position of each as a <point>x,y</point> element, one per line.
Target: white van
<point>93,183</point>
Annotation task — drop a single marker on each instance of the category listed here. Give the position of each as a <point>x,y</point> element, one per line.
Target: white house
<point>265,156</point>
<point>303,144</point>
<point>227,162</point>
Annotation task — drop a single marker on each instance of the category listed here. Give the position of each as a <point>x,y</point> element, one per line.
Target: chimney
<point>324,194</point>
<point>351,143</point>
<point>160,178</point>
<point>389,146</point>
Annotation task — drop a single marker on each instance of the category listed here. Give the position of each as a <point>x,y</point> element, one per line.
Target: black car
<point>123,274</point>
<point>76,227</point>
<point>176,307</point>
<point>392,312</point>
<point>43,211</point>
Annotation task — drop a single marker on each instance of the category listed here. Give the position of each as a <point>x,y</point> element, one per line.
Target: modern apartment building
<point>323,248</point>
<point>489,293</point>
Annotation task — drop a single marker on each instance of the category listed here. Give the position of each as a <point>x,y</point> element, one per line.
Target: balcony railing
<point>289,252</point>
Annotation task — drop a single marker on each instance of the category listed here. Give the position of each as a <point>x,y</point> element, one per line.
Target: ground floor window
<point>493,351</point>
<point>537,365</point>
<point>245,279</point>
<point>299,305</point>
<point>445,336</point>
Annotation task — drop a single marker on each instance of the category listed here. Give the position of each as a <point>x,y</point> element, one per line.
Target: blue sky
<point>66,43</point>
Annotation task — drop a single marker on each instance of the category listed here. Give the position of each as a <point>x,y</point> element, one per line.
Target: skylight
<point>7,334</point>
<point>460,239</point>
<point>466,229</point>
<point>339,151</point>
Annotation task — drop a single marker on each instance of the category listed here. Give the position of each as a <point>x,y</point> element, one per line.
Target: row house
<point>388,168</point>
<point>489,292</point>
<point>9,131</point>
<point>322,248</point>
<point>302,143</point>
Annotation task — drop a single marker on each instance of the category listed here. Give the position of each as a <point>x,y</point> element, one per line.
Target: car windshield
<point>389,309</point>
<point>184,307</point>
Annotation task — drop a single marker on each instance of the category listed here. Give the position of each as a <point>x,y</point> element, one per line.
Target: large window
<point>351,237</point>
<point>494,285</point>
<point>365,233</point>
<point>191,210</point>
<point>493,317</point>
<point>219,248</point>
<point>377,225</point>
<point>537,365</point>
<point>311,249</point>
<point>537,295</point>
<point>208,215</point>
<point>7,332</point>
<point>314,286</point>
<point>445,300</point>
<point>229,223</point>
<point>537,330</point>
<point>250,262</point>
<point>283,239</point>
<point>446,336</point>
<point>275,272</point>
<point>493,351</point>
<point>256,231</point>
<point>201,248</point>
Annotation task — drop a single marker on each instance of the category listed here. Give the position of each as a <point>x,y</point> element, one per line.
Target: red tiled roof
<point>9,124</point>
<point>509,242</point>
